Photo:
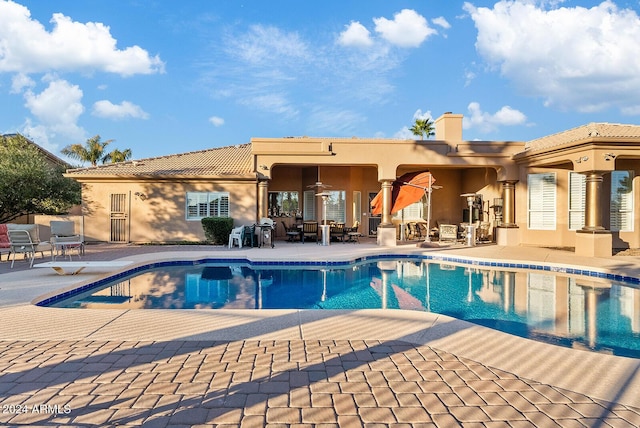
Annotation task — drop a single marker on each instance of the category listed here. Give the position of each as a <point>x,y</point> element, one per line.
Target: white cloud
<point>106,109</point>
<point>27,47</point>
<point>216,121</point>
<point>276,103</point>
<point>20,82</point>
<point>420,115</point>
<point>576,58</point>
<point>408,29</point>
<point>355,35</point>
<point>442,22</point>
<point>330,121</point>
<point>404,134</point>
<point>57,107</point>
<point>486,122</point>
<point>263,43</point>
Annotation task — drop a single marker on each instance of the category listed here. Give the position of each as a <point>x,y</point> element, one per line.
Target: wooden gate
<point>119,217</point>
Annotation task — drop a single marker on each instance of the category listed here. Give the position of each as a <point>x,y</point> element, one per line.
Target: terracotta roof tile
<point>223,161</point>
<point>585,132</point>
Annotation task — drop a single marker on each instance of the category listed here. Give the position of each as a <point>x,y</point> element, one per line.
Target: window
<point>203,204</point>
<point>542,201</point>
<point>336,206</point>
<point>621,206</point>
<point>415,211</point>
<point>357,206</point>
<point>309,212</point>
<point>283,204</point>
<point>577,196</point>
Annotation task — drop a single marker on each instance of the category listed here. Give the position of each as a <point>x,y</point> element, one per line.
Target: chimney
<point>449,127</point>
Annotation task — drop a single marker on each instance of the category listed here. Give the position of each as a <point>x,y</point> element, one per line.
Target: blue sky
<point>163,77</point>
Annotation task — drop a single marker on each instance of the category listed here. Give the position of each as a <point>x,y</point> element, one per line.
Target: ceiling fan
<point>319,185</point>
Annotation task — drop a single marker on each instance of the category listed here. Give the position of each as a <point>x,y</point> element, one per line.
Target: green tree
<point>93,151</point>
<point>30,184</point>
<point>423,127</point>
<point>118,156</point>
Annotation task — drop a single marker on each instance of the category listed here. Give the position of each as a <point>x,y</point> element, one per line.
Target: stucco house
<point>577,188</point>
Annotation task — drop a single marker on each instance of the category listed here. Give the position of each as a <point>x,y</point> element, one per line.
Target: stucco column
<point>592,210</point>
<point>593,240</point>
<point>386,234</point>
<point>509,204</point>
<point>386,203</point>
<point>508,233</point>
<point>263,199</point>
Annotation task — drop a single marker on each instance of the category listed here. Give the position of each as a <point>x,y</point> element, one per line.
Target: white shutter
<point>336,206</point>
<point>621,205</point>
<point>309,211</point>
<point>542,201</point>
<point>577,196</point>
<point>357,206</point>
<point>196,205</point>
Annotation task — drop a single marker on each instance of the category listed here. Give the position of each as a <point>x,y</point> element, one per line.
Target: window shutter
<point>309,211</point>
<point>542,201</point>
<point>621,205</point>
<point>577,196</point>
<point>336,206</point>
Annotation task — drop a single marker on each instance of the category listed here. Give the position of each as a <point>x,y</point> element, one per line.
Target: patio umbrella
<point>406,190</point>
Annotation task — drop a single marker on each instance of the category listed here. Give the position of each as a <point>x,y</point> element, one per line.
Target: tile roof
<point>591,131</point>
<point>222,161</point>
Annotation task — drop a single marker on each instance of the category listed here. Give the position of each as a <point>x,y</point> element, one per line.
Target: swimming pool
<point>579,309</point>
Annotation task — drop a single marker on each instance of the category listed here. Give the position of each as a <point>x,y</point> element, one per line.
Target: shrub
<point>217,229</point>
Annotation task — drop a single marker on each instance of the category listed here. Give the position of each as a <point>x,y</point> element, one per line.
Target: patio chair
<point>21,243</point>
<point>310,229</point>
<point>482,231</point>
<point>448,232</point>
<point>292,232</point>
<point>337,232</point>
<point>413,230</point>
<point>352,233</point>
<point>236,236</point>
<point>249,236</point>
<point>64,238</point>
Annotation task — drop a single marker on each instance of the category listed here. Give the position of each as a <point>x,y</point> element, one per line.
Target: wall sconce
<point>609,156</point>
<point>141,195</point>
<point>582,159</point>
<point>331,149</point>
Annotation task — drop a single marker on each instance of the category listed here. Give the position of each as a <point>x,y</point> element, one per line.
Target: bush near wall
<point>217,229</point>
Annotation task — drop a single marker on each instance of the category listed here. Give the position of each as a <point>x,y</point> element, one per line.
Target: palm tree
<point>423,127</point>
<point>93,151</point>
<point>118,156</point>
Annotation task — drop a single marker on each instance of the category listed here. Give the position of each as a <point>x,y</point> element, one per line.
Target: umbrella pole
<point>427,193</point>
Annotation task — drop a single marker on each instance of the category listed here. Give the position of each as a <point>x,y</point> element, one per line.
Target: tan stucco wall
<point>562,236</point>
<point>160,215</point>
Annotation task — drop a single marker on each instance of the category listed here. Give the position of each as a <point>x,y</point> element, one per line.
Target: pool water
<point>569,310</point>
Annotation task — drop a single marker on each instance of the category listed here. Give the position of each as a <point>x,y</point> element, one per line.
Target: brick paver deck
<point>277,383</point>
<point>74,379</point>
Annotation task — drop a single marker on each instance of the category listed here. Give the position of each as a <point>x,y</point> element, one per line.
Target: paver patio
<point>291,368</point>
